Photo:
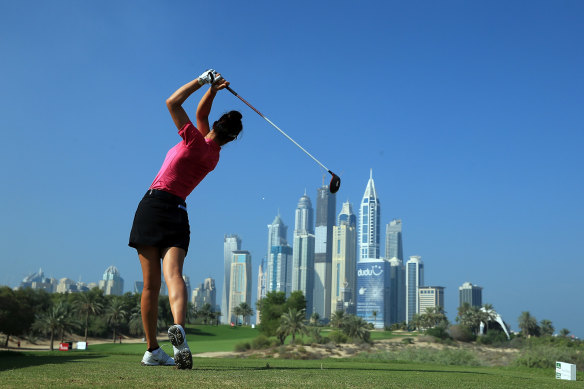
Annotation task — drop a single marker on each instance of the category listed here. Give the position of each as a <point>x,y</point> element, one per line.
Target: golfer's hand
<point>207,77</point>
<point>219,83</point>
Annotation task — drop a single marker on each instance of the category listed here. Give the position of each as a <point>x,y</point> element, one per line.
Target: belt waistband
<point>161,194</point>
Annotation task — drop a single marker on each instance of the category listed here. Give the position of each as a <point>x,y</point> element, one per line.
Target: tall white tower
<point>303,251</point>
<point>369,223</point>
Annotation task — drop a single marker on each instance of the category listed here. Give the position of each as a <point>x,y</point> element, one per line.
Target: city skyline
<point>381,290</point>
<point>304,221</point>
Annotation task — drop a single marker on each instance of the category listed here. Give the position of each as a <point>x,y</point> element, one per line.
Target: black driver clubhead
<point>335,184</point>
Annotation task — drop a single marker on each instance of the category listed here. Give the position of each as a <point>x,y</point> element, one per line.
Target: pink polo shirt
<point>187,163</point>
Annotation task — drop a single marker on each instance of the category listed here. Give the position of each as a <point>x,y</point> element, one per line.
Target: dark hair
<point>228,127</point>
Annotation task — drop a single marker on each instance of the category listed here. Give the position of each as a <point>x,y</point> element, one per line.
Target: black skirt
<point>161,221</point>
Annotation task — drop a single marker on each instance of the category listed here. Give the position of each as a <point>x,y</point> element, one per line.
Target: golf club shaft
<point>278,128</point>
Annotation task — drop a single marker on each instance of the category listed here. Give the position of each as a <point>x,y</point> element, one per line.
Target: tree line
<point>29,313</point>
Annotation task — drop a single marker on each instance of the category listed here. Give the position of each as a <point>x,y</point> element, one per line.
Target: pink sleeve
<point>190,134</point>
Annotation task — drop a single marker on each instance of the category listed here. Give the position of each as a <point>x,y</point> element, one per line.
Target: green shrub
<point>242,346</point>
<point>546,356</point>
<point>407,341</point>
<point>461,333</point>
<point>493,337</point>
<point>260,342</point>
<point>438,332</point>
<point>453,357</point>
<point>338,337</point>
<point>324,340</point>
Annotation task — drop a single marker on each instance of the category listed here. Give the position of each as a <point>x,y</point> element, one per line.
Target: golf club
<point>335,180</point>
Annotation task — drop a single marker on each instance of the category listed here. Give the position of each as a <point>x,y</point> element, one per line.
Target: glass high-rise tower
<point>231,243</point>
<point>393,240</point>
<point>277,232</point>
<point>325,220</point>
<point>397,291</point>
<point>303,251</point>
<point>472,294</point>
<point>414,280</point>
<point>279,260</point>
<point>369,223</point>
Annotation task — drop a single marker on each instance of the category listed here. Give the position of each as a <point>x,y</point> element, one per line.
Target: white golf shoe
<point>182,353</point>
<point>156,358</point>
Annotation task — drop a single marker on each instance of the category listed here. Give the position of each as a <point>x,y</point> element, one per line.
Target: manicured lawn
<point>92,369</point>
<point>201,339</point>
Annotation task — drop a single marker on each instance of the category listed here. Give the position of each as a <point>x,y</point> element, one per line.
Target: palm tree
<point>489,314</point>
<point>246,311</point>
<point>205,312</point>
<point>69,323</point>
<point>547,329</point>
<point>215,316</point>
<point>314,318</point>
<point>356,328</point>
<point>564,332</point>
<point>465,307</point>
<point>87,304</point>
<point>415,322</point>
<point>237,312</point>
<point>374,313</point>
<point>115,314</point>
<point>292,323</point>
<point>528,324</point>
<point>135,324</point>
<point>337,319</point>
<point>51,321</point>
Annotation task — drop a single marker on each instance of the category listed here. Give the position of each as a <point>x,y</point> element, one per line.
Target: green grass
<point>92,369</point>
<point>201,339</point>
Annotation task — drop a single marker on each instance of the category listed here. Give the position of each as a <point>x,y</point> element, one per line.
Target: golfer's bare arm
<point>204,108</point>
<point>176,100</point>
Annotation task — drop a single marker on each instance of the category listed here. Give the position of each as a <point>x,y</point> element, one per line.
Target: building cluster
<point>336,261</point>
<point>111,283</point>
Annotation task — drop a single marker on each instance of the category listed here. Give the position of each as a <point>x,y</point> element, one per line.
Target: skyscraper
<point>261,293</point>
<point>187,281</point>
<point>430,297</point>
<point>303,251</point>
<point>343,280</point>
<point>279,270</point>
<point>323,239</point>
<point>240,278</point>
<point>393,240</point>
<point>373,291</point>
<point>414,280</point>
<point>205,293</point>
<point>472,294</point>
<point>397,292</point>
<point>231,243</point>
<point>369,222</point>
<point>277,232</point>
<point>112,282</point>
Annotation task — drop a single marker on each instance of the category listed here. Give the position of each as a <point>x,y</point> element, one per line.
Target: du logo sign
<point>375,270</point>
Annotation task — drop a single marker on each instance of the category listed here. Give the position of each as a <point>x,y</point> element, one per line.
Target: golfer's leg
<point>150,261</point>
<point>172,265</point>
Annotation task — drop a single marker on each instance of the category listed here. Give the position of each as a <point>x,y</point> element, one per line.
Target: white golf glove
<point>207,77</point>
<point>218,77</point>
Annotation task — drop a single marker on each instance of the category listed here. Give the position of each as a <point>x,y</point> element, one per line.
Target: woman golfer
<point>161,225</point>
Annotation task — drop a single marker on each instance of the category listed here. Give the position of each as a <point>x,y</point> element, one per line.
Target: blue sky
<point>469,113</point>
